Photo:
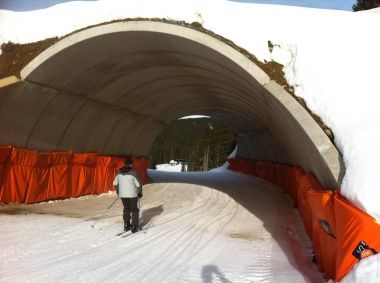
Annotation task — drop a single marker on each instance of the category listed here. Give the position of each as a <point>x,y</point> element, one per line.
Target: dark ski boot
<point>127,227</point>
<point>134,229</point>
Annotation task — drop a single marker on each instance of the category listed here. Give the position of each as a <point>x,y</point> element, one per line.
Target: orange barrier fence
<point>104,174</point>
<point>357,236</point>
<point>4,153</point>
<point>140,164</point>
<point>18,171</point>
<point>44,183</point>
<point>323,230</point>
<point>341,233</point>
<point>28,176</point>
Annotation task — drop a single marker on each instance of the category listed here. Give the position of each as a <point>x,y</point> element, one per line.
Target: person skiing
<point>128,187</point>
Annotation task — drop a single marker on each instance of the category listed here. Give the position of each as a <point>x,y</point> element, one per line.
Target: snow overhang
<point>113,88</point>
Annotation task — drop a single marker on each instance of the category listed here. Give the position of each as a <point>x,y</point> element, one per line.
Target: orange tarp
<point>341,233</point>
<point>298,173</point>
<point>104,174</point>
<point>5,151</point>
<point>357,236</point>
<point>17,174</point>
<point>118,162</point>
<point>58,179</point>
<point>49,176</point>
<point>306,182</point>
<point>81,174</point>
<point>140,165</point>
<point>28,176</point>
<point>48,179</point>
<point>281,177</point>
<point>39,179</point>
<point>324,230</point>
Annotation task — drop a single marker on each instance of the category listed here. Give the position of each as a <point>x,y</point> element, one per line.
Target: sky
<point>28,5</point>
<point>323,4</point>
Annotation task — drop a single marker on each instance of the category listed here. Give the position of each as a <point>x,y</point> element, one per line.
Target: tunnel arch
<point>113,88</point>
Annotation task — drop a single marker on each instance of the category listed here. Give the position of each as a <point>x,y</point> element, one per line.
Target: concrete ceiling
<point>113,88</point>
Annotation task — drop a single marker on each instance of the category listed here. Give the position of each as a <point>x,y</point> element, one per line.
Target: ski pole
<point>108,208</point>
<point>113,202</point>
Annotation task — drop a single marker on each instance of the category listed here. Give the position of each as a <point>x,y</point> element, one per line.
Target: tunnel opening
<point>192,143</point>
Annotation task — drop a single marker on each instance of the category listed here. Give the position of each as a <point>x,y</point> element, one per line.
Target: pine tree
<point>365,5</point>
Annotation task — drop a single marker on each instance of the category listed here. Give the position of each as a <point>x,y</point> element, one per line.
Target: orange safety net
<point>357,236</point>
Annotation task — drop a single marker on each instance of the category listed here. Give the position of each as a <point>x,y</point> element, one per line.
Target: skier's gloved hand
<point>140,195</point>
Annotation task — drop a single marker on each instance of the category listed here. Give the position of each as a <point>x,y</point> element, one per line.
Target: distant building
<point>178,165</point>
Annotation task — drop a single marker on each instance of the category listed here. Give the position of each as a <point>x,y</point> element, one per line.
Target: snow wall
<point>28,176</point>
<point>342,234</point>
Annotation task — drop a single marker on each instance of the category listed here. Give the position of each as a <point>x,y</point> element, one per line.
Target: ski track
<point>226,227</point>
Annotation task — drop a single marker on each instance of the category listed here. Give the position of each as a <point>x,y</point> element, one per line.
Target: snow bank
<point>365,271</point>
<point>170,167</point>
<point>330,57</point>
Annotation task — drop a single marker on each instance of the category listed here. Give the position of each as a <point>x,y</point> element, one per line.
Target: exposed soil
<point>15,57</point>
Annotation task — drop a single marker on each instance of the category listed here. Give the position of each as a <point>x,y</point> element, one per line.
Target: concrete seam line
<point>96,101</point>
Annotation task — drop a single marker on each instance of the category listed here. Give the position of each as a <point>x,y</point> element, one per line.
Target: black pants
<point>130,207</point>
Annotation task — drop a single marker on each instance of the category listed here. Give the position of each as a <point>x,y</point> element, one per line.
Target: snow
<point>365,271</point>
<point>330,57</point>
<point>194,117</point>
<point>169,167</point>
<point>203,227</point>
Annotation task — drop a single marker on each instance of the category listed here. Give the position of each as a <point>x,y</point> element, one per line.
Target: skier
<point>128,187</point>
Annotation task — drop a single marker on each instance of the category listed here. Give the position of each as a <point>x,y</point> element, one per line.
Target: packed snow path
<point>204,227</point>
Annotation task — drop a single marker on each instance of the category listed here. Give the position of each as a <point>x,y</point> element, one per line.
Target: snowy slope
<point>220,230</point>
<point>330,57</point>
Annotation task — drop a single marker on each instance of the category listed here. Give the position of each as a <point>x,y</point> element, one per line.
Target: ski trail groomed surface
<point>200,227</point>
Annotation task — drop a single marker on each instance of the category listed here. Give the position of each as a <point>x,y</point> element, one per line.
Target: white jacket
<point>129,185</point>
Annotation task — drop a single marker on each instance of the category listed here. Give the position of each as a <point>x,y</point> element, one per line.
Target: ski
<point>142,229</point>
<point>121,233</point>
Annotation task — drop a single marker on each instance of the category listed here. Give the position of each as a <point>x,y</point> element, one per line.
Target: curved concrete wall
<point>113,88</point>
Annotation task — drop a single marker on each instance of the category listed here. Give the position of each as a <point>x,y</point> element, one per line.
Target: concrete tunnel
<point>113,88</point>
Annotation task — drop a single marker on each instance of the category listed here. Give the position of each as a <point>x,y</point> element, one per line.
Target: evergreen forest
<point>204,142</point>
